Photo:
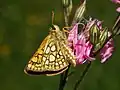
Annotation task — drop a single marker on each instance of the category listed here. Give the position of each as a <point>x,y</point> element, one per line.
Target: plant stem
<point>61,82</point>
<point>63,79</point>
<point>82,76</point>
<point>65,18</point>
<point>64,75</point>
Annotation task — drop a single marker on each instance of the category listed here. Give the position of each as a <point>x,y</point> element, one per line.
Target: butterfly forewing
<point>52,57</point>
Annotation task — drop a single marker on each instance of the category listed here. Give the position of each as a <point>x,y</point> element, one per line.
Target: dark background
<point>25,23</point>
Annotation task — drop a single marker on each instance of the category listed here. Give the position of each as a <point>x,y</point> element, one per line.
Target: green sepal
<point>102,39</point>
<point>94,34</point>
<point>116,27</point>
<point>67,5</point>
<point>79,12</point>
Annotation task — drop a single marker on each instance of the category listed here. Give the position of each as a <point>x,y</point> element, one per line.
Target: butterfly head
<point>55,28</point>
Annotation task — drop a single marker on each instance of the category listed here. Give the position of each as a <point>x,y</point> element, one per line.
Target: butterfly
<point>53,55</point>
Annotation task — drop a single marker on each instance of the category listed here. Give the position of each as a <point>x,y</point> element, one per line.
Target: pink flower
<point>83,48</point>
<point>117,2</point>
<point>80,46</point>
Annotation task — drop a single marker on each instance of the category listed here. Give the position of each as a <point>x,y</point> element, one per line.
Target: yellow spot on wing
<point>29,65</point>
<point>47,62</point>
<point>63,60</point>
<point>32,67</point>
<point>44,58</point>
<point>56,64</point>
<point>58,56</point>
<point>64,63</point>
<point>47,50</point>
<point>46,66</point>
<point>53,48</point>
<point>38,68</point>
<point>61,65</point>
<point>60,62</point>
<point>52,58</point>
<point>57,67</point>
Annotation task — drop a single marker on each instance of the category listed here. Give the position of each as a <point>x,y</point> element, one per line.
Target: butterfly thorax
<point>58,34</point>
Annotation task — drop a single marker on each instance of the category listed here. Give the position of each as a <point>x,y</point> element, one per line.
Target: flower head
<point>80,45</point>
<point>90,39</point>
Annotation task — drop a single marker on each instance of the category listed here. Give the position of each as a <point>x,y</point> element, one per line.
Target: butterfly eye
<point>65,28</point>
<point>53,27</point>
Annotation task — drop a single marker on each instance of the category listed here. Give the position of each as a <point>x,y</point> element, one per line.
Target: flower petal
<point>118,9</point>
<point>106,51</point>
<point>89,47</point>
<point>83,50</point>
<point>80,49</point>
<point>72,37</point>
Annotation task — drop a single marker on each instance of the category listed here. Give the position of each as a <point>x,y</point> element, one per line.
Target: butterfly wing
<point>49,59</point>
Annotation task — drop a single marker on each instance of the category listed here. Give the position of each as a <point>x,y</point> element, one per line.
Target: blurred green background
<point>25,23</point>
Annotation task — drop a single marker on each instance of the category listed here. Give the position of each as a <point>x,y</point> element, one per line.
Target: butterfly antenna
<point>53,15</point>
